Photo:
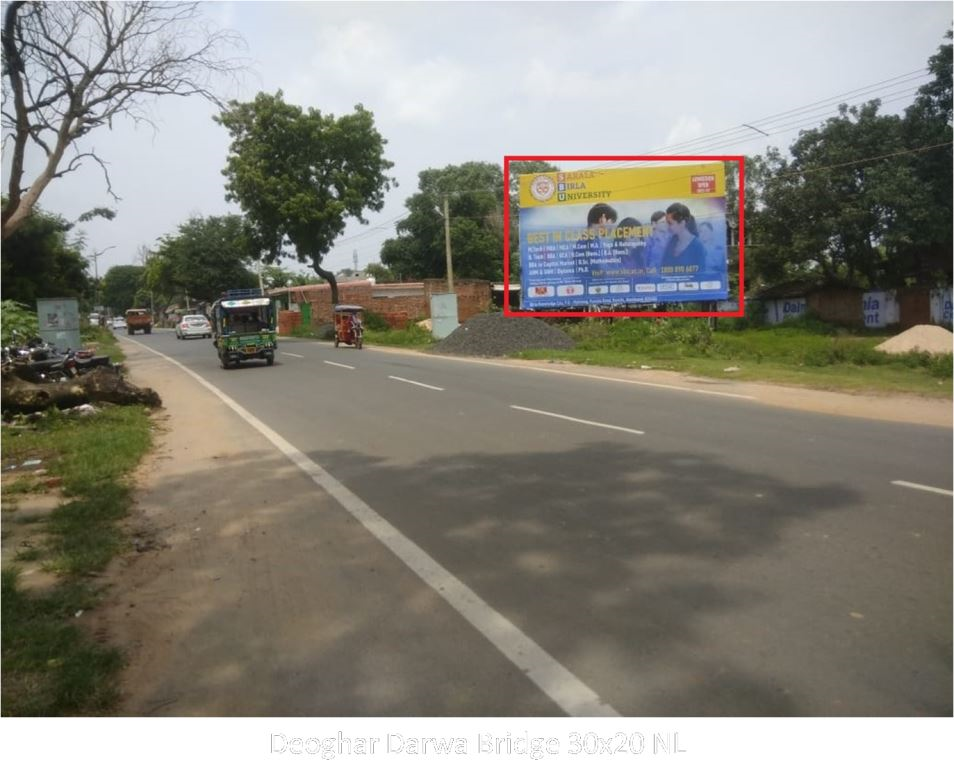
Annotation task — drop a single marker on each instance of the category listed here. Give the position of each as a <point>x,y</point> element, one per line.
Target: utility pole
<point>356,261</point>
<point>95,257</point>
<point>447,247</point>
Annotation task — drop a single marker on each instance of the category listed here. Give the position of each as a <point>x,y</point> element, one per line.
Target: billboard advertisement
<point>623,237</point>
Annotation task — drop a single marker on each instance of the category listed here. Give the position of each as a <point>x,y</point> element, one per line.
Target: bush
<point>411,336</point>
<point>690,332</point>
<point>811,323</point>
<point>17,317</point>
<point>374,322</point>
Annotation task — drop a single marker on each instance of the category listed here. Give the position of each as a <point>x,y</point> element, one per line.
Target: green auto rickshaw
<point>243,327</point>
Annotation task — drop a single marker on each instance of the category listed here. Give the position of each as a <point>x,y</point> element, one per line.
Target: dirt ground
<point>212,545</point>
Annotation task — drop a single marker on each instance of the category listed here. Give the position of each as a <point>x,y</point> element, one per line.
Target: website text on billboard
<point>624,237</point>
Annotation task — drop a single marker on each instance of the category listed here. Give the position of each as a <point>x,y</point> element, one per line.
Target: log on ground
<point>101,385</point>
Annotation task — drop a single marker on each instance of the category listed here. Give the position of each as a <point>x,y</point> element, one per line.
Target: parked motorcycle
<point>37,361</point>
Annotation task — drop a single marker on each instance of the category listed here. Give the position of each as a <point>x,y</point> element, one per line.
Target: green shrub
<point>692,333</point>
<point>809,322</point>
<point>374,322</point>
<point>15,316</point>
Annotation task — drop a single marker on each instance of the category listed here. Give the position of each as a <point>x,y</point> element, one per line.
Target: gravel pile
<point>495,336</point>
<point>924,338</point>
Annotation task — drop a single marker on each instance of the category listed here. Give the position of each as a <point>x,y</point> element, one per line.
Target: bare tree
<point>74,66</point>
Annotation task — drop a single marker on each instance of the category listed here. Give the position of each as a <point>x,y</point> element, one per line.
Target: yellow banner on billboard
<point>677,182</point>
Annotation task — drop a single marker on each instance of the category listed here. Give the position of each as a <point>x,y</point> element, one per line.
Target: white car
<point>193,325</point>
<point>118,323</point>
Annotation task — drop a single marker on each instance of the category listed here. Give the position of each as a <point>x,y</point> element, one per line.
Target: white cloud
<point>426,92</point>
<point>687,128</point>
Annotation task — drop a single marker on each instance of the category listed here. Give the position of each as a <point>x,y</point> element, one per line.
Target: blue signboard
<point>623,237</point>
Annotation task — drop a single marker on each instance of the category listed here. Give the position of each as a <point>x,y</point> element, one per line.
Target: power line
<point>816,108</point>
<point>915,150</point>
<point>780,122</point>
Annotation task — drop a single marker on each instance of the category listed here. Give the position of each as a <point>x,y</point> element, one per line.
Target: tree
<point>39,261</point>
<point>121,285</point>
<point>74,67</point>
<point>379,272</point>
<point>865,199</point>
<point>275,277</point>
<point>206,257</point>
<point>474,193</point>
<point>922,236</point>
<point>298,175</point>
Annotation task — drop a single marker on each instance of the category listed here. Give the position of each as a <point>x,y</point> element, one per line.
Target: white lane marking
<point>567,691</point>
<point>292,354</point>
<point>604,378</point>
<point>579,421</point>
<point>918,487</point>
<point>340,365</point>
<point>646,384</point>
<point>416,383</point>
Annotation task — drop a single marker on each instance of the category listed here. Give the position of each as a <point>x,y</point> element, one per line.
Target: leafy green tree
<point>275,277</point>
<point>380,273</point>
<point>298,175</point>
<point>120,286</point>
<point>863,200</point>
<point>38,261</point>
<point>922,234</point>
<point>207,256</point>
<point>474,193</point>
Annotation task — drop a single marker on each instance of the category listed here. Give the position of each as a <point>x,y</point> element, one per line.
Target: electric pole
<point>447,247</point>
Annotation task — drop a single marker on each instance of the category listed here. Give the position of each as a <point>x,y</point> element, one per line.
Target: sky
<point>452,82</point>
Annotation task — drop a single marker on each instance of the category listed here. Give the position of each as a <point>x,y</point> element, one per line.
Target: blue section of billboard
<point>612,251</point>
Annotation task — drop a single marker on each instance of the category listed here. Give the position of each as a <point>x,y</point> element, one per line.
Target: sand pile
<point>922,338</point>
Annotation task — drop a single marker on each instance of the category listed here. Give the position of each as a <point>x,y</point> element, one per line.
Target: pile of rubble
<point>494,335</point>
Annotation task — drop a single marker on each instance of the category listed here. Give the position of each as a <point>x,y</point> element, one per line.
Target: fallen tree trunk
<point>100,385</point>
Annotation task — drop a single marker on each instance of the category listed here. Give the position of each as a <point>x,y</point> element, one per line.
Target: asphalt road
<point>671,552</point>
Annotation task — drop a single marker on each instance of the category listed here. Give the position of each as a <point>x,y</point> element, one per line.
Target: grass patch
<point>410,337</point>
<point>799,355</point>
<point>105,343</point>
<point>23,485</point>
<point>50,666</point>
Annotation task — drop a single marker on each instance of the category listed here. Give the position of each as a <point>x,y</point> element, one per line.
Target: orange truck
<point>138,320</point>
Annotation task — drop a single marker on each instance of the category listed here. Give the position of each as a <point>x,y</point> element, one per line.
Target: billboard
<point>623,237</point>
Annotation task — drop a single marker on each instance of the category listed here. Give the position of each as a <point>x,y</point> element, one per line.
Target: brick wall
<point>474,297</point>
<point>397,303</point>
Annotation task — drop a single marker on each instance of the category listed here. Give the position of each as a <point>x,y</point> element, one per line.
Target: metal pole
<point>447,247</point>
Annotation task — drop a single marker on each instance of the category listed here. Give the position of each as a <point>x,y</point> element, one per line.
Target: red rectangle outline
<point>740,159</point>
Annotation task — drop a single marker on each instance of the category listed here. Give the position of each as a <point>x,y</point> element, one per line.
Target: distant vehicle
<point>118,323</point>
<point>138,320</point>
<point>194,325</point>
<point>95,319</point>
